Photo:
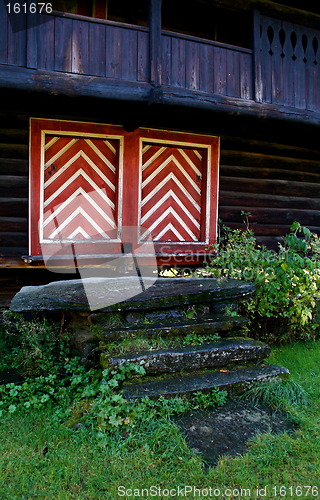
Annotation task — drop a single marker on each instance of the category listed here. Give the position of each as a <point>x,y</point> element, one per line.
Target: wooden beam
<point>155,41</point>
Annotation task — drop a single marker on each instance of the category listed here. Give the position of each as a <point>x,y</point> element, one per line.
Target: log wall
<point>277,183</point>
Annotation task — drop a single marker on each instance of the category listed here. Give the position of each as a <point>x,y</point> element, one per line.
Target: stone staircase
<point>221,355</point>
<point>185,332</point>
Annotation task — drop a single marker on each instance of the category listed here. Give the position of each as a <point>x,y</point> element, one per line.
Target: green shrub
<point>34,347</point>
<point>287,282</point>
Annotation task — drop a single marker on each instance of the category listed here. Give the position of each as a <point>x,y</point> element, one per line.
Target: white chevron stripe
<point>101,156</point>
<point>146,148</point>
<point>51,143</point>
<point>173,229</point>
<point>163,165</point>
<point>171,211</point>
<point>71,180</point>
<point>172,194</point>
<point>66,221</point>
<point>192,165</point>
<point>83,155</point>
<point>197,153</point>
<point>60,152</point>
<point>79,191</point>
<point>112,148</point>
<point>77,231</point>
<point>154,157</point>
<point>169,177</point>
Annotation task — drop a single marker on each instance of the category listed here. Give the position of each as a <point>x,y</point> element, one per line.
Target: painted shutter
<point>172,193</point>
<point>80,188</point>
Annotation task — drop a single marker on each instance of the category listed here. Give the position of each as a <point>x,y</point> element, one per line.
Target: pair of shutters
<point>98,186</point>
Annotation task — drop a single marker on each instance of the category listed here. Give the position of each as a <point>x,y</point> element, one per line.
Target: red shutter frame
<point>187,152</point>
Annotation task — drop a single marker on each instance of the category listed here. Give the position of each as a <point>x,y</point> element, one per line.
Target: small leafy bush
<point>34,347</point>
<point>287,282</point>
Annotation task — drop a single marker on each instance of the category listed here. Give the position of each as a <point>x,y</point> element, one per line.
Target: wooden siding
<point>206,66</point>
<point>288,58</point>
<point>57,43</point>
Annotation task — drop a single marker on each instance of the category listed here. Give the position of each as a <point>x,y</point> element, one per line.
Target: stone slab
<point>191,358</point>
<point>162,294</point>
<point>222,325</point>
<point>234,381</point>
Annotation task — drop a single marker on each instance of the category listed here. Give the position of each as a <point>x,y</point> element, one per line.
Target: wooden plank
<point>166,61</point>
<point>233,74</point>
<point>97,49</point>
<point>266,58</point>
<point>80,48</point>
<point>17,39</point>
<point>192,65</point>
<point>46,44</point>
<point>129,55</point>
<point>206,70</point>
<point>220,71</point>
<point>299,70</point>
<point>178,74</point>
<point>155,41</point>
<point>4,34</point>
<point>246,73</point>
<point>143,69</point>
<point>63,44</point>
<point>16,207</point>
<point>257,51</point>
<point>113,52</point>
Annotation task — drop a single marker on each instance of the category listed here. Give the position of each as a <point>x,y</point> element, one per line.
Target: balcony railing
<point>283,68</point>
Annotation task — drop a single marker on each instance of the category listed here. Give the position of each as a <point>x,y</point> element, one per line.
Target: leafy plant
<point>284,305</point>
<point>216,397</point>
<point>196,339</point>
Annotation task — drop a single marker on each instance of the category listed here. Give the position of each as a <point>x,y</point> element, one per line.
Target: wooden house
<point>156,115</point>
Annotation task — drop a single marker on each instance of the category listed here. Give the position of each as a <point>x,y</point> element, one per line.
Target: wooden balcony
<point>282,71</point>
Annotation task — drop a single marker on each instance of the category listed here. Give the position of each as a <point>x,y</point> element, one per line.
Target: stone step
<point>207,325</point>
<point>235,381</point>
<point>191,358</point>
<point>128,294</point>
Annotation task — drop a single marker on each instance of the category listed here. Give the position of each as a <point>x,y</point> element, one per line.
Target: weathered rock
<point>208,325</point>
<point>213,355</point>
<point>163,294</point>
<point>234,381</point>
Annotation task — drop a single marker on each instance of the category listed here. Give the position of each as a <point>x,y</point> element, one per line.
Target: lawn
<point>41,458</point>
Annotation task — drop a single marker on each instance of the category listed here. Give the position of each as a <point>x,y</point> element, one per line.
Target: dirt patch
<point>226,430</point>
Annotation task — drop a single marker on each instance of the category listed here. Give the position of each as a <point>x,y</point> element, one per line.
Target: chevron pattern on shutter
<point>80,188</point>
<point>171,197</point>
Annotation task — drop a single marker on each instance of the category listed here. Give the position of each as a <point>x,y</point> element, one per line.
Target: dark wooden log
<point>9,239</point>
<point>247,146</point>
<point>232,198</point>
<point>268,231</point>
<point>269,173</point>
<point>13,167</point>
<point>15,207</point>
<point>13,151</point>
<point>13,186</point>
<point>239,158</point>
<point>13,136</point>
<point>15,224</point>
<point>266,186</point>
<point>271,215</point>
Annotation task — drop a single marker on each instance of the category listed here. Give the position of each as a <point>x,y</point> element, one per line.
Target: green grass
<point>42,459</point>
